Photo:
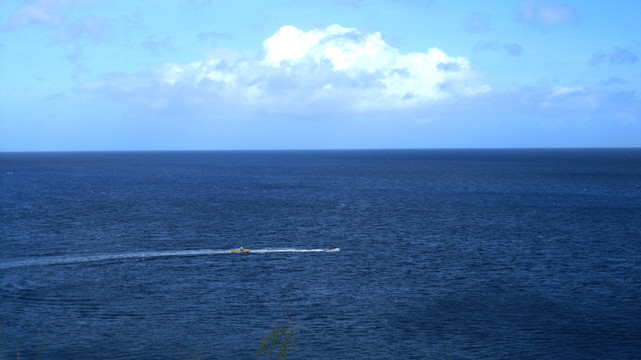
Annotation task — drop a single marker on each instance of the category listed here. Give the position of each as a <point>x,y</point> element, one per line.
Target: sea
<point>442,254</point>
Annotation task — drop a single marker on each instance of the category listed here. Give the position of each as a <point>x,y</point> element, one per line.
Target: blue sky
<point>297,74</point>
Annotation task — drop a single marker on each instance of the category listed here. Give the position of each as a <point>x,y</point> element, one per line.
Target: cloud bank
<point>332,69</point>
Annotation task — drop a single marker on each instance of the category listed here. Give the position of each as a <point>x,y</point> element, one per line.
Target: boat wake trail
<point>291,250</point>
<point>72,259</point>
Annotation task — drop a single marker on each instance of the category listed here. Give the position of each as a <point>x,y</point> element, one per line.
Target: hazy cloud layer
<point>332,69</point>
<point>157,46</point>
<point>93,29</point>
<point>50,13</point>
<point>43,12</point>
<point>511,49</point>
<point>617,57</point>
<point>547,14</point>
<point>73,68</point>
<point>477,22</point>
<point>613,81</point>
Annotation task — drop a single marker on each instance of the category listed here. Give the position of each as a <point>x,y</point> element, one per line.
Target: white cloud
<point>382,76</point>
<point>575,98</point>
<point>564,90</point>
<point>195,73</point>
<point>289,44</point>
<point>335,69</point>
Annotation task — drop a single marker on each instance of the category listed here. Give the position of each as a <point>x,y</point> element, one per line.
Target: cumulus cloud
<point>547,15</point>
<point>331,69</point>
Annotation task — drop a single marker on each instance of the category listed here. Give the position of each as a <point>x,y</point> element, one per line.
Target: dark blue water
<point>471,254</point>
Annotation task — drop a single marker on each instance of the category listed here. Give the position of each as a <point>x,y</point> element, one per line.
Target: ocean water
<point>461,254</point>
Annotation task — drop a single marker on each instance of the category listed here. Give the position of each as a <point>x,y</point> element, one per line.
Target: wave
<point>56,260</point>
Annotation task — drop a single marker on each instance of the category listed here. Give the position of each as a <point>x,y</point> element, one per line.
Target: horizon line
<point>324,149</point>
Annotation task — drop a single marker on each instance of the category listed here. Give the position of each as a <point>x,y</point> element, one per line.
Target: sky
<point>102,75</point>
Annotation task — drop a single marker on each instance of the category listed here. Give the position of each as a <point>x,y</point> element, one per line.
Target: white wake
<point>71,259</point>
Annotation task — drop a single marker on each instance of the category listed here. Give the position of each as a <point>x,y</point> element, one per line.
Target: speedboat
<point>240,251</point>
